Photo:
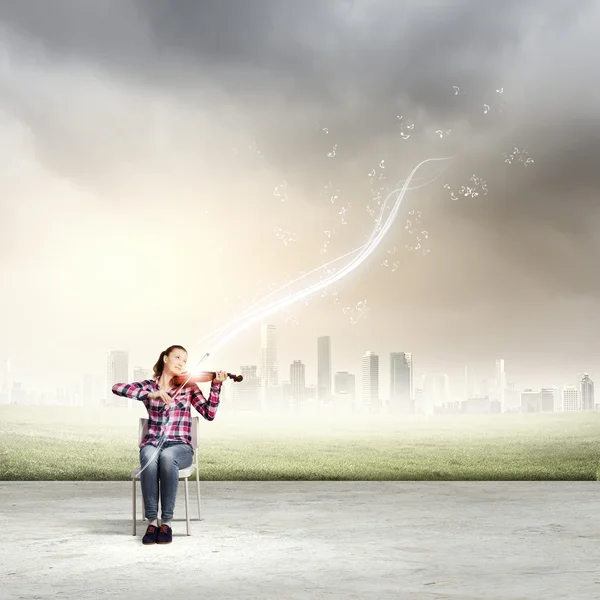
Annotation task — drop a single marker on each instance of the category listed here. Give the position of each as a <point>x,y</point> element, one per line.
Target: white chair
<point>183,474</point>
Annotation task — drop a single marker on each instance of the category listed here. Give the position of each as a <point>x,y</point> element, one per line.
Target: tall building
<point>370,382</point>
<point>468,391</point>
<point>324,370</point>
<point>117,371</point>
<point>298,384</point>
<point>500,383</point>
<point>345,390</point>
<point>531,401</point>
<point>436,391</point>
<point>586,387</point>
<point>268,356</point>
<point>409,362</point>
<point>570,398</point>
<point>549,399</point>
<point>247,393</point>
<point>401,393</point>
<point>268,372</point>
<point>345,383</point>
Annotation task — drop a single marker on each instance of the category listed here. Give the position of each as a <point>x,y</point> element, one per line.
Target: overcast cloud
<point>142,143</point>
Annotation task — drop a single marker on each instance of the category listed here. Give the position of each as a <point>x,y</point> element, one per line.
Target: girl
<point>169,421</point>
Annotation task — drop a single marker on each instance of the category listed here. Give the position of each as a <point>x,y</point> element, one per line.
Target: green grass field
<point>75,444</point>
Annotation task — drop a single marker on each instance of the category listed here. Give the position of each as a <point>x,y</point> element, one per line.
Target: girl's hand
<point>160,395</point>
<point>220,376</point>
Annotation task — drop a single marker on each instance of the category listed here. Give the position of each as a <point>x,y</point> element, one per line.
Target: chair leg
<point>187,507</point>
<point>134,515</point>
<point>198,493</point>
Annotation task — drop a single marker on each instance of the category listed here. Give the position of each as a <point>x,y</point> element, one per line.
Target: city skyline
<point>265,382</point>
<point>271,154</point>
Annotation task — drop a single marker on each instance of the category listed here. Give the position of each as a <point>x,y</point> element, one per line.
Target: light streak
<point>365,250</point>
<point>222,328</point>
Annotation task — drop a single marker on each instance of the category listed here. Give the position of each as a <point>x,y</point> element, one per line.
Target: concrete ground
<point>296,540</point>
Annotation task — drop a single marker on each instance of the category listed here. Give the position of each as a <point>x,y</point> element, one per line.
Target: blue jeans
<point>163,474</point>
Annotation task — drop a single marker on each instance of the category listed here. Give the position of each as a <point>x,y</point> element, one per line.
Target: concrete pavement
<point>307,540</point>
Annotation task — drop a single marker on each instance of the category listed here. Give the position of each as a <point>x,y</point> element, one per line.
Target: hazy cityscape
<point>274,388</point>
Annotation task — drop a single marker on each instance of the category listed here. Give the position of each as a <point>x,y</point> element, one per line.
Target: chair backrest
<point>143,430</point>
<point>195,438</point>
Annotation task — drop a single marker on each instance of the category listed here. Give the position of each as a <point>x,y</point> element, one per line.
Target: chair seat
<point>183,473</point>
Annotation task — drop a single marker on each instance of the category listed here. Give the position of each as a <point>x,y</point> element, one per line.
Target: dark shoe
<point>151,535</point>
<point>165,535</point>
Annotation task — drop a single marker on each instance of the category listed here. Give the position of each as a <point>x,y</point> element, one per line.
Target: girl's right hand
<point>160,395</point>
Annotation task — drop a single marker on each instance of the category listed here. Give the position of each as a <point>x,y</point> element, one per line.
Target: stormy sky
<point>164,163</point>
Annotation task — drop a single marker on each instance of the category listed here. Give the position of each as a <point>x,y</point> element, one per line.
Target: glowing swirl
<point>222,328</point>
<point>364,252</point>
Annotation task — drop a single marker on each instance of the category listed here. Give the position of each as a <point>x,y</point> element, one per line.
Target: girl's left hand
<point>220,376</point>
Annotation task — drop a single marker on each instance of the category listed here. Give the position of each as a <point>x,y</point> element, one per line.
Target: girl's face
<point>176,361</point>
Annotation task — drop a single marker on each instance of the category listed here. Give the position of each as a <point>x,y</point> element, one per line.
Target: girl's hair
<point>160,363</point>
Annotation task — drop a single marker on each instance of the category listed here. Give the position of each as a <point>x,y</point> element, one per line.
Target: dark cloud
<point>419,49</point>
<point>293,68</point>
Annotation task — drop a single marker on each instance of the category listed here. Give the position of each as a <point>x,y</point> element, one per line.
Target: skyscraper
<point>400,383</point>
<point>500,383</point>
<point>298,383</point>
<point>345,383</point>
<point>268,373</point>
<point>549,399</point>
<point>370,382</point>
<point>468,385</point>
<point>345,390</point>
<point>570,398</point>
<point>117,371</point>
<point>409,362</point>
<point>586,386</point>
<point>324,370</point>
<point>268,356</point>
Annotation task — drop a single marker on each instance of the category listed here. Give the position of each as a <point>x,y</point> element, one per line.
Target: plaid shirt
<point>174,420</point>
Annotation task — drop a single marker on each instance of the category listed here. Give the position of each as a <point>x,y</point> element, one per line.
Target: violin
<point>201,377</point>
